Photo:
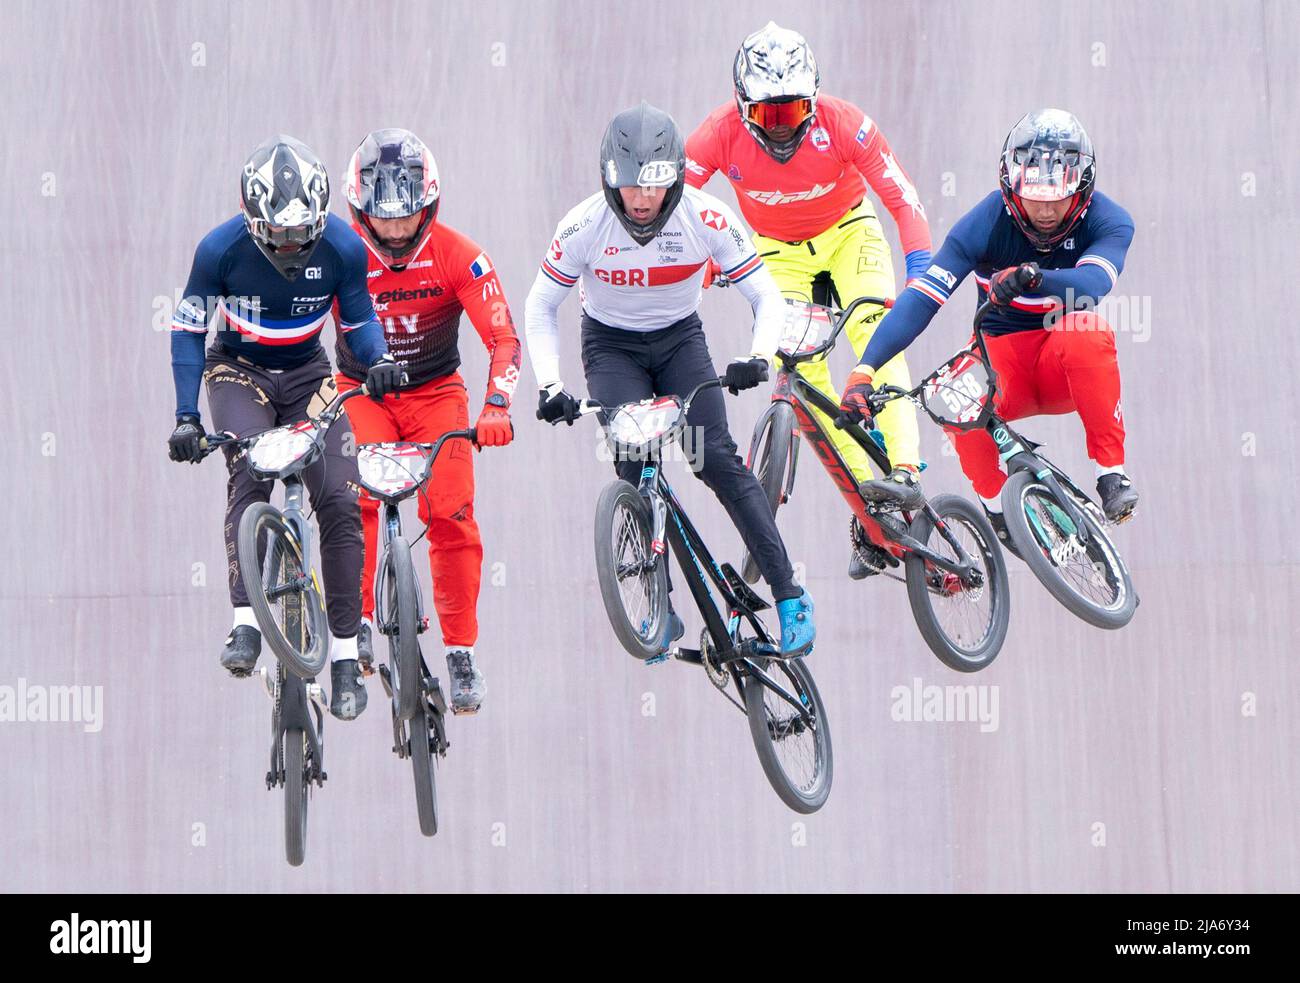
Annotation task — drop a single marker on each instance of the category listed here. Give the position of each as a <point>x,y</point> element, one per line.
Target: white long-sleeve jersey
<point>643,288</point>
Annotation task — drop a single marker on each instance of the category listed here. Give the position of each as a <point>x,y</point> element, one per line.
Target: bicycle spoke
<point>1087,569</point>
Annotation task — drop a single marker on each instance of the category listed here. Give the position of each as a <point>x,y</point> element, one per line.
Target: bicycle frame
<point>883,529</point>
<point>700,570</point>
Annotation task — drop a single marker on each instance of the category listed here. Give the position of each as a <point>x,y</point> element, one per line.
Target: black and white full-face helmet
<point>776,81</point>
<point>285,194</point>
<point>393,175</point>
<point>643,148</point>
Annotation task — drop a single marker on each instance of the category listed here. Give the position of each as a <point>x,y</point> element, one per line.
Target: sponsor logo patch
<point>713,219</point>
<point>821,140</point>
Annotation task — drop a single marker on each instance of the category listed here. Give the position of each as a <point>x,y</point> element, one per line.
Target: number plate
<point>641,424</point>
<point>959,391</point>
<point>392,468</point>
<point>279,449</point>
<point>807,327</point>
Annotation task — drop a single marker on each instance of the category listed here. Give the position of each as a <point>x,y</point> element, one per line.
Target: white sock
<point>461,648</point>
<point>994,505</point>
<point>244,616</point>
<point>1117,469</point>
<point>342,648</point>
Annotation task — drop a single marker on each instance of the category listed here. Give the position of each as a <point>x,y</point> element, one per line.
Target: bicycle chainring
<point>718,674</point>
<point>868,553</point>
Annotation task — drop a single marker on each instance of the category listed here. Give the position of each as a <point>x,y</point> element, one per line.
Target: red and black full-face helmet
<point>1047,156</point>
<point>393,175</point>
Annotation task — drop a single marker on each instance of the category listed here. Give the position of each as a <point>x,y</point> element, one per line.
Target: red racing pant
<point>424,414</point>
<point>1071,367</point>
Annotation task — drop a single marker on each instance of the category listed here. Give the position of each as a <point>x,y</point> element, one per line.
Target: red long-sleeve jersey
<point>811,191</point>
<point>420,305</point>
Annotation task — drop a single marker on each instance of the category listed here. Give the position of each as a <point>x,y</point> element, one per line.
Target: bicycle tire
<point>1110,616</point>
<point>621,504</point>
<point>921,595</point>
<point>762,728</point>
<point>774,459</point>
<point>281,558</point>
<point>296,789</point>
<point>422,766</point>
<point>401,612</point>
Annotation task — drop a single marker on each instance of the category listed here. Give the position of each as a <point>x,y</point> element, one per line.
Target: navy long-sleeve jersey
<point>1079,271</point>
<point>261,316</point>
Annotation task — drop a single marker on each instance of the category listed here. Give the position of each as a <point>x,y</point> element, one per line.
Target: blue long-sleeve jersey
<point>261,316</point>
<point>1078,272</point>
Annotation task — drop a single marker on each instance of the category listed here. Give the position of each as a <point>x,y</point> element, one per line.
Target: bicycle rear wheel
<point>296,788</point>
<point>793,743</point>
<point>426,788</point>
<point>281,588</point>
<point>399,619</point>
<point>770,457</point>
<point>633,578</point>
<point>1090,580</point>
<point>964,626</point>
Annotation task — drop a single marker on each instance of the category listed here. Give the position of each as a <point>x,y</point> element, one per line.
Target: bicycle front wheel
<point>964,626</point>
<point>771,459</point>
<point>399,619</point>
<point>1089,579</point>
<point>787,721</point>
<point>282,590</point>
<point>633,578</point>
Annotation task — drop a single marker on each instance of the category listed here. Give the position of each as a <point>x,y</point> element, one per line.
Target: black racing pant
<point>246,399</point>
<point>624,366</point>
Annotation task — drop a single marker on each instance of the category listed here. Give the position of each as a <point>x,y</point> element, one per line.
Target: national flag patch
<point>481,266</point>
<point>713,219</point>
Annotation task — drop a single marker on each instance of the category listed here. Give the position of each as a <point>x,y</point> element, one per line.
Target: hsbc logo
<point>713,219</point>
<point>611,250</point>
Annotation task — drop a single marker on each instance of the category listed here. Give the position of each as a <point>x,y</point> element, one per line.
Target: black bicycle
<point>634,527</point>
<point>1054,524</point>
<point>275,561</point>
<point>393,472</point>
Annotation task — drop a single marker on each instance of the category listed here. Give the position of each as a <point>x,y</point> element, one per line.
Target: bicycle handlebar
<point>208,443</point>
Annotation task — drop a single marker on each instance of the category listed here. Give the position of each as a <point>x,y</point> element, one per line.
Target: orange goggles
<point>772,114</point>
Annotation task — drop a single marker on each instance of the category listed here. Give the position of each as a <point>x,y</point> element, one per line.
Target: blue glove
<point>918,261</point>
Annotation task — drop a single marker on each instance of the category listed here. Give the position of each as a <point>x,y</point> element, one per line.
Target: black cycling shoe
<point>999,523</point>
<point>1118,496</point>
<point>347,689</point>
<point>243,646</point>
<point>365,649</point>
<point>857,569</point>
<point>467,685</point>
<point>900,487</point>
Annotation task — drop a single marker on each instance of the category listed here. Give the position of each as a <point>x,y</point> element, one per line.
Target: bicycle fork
<point>1016,456</point>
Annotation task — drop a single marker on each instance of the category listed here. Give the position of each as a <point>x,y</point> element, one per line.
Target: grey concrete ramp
<point>1159,758</point>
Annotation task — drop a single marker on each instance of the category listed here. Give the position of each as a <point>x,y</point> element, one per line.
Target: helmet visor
<point>769,115</point>
<point>287,237</point>
<point>1045,176</point>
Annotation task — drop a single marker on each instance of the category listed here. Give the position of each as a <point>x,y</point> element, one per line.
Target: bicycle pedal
<point>386,678</point>
<point>268,684</point>
<point>661,657</point>
<point>466,711</point>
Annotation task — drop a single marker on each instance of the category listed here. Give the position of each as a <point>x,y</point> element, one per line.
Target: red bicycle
<point>955,574</point>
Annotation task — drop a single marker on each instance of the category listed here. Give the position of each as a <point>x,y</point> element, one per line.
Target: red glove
<point>1006,285</point>
<point>493,428</point>
<point>711,272</point>
<point>854,405</point>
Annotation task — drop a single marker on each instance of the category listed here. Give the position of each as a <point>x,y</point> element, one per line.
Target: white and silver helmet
<point>776,82</point>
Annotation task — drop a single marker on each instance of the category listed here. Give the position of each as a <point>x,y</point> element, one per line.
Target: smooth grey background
<point>586,770</point>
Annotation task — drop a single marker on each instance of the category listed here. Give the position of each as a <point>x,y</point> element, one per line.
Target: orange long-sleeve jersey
<point>420,305</point>
<point>815,188</point>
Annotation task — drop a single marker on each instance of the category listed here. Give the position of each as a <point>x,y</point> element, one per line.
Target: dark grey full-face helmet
<point>285,194</point>
<point>643,148</point>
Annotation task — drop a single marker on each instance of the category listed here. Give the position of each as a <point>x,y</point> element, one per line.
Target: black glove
<point>745,373</point>
<point>557,406</point>
<point>1006,285</point>
<point>183,444</point>
<point>385,376</point>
